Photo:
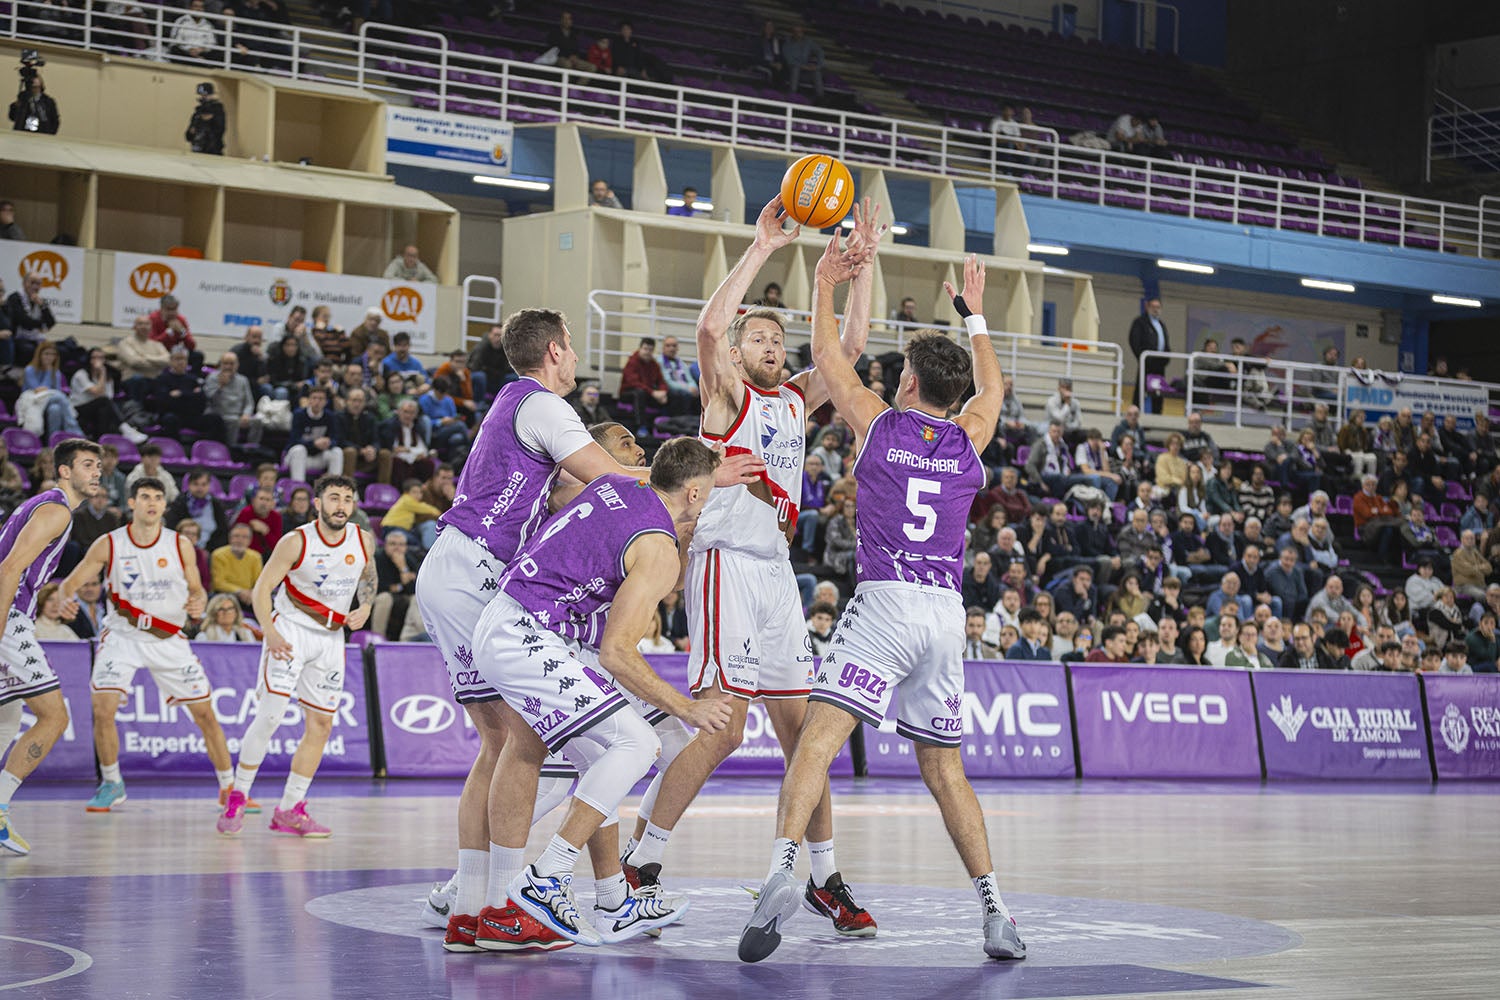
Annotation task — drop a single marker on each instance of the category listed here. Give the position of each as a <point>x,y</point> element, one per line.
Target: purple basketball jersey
<point>568,574</point>
<point>501,497</point>
<point>36,575</point>
<point>918,476</point>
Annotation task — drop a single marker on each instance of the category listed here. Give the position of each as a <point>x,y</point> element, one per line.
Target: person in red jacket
<point>170,327</point>
<point>642,383</point>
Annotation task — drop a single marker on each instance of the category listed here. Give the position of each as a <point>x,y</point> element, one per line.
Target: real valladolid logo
<point>1454,729</point>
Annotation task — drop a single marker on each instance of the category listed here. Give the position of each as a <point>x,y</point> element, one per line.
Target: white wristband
<point>975,324</point>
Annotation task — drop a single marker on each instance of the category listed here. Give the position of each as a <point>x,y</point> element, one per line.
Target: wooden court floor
<point>1120,889</point>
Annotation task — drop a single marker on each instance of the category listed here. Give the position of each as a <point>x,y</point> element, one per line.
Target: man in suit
<point>975,648</point>
<point>1149,333</point>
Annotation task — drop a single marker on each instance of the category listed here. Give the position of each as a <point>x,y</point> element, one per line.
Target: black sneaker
<point>835,902</point>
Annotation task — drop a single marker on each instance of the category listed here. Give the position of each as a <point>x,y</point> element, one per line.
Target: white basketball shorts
<point>24,670</point>
<point>314,675</point>
<point>455,582</point>
<point>174,666</point>
<point>745,622</point>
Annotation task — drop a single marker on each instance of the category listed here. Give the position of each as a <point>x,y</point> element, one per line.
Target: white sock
<point>988,888</point>
<point>296,789</point>
<point>783,856</point>
<point>630,845</point>
<point>244,777</point>
<point>558,859</point>
<point>610,893</point>
<point>226,778</point>
<point>111,772</point>
<point>8,785</point>
<point>505,864</point>
<point>652,848</point>
<point>820,853</point>
<point>473,882</point>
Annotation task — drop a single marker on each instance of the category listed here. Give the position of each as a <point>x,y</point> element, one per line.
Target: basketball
<point>817,191</point>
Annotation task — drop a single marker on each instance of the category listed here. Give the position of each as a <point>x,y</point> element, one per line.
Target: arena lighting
<point>1182,265</point>
<point>897,229</point>
<point>699,205</point>
<point>1327,286</point>
<point>1050,249</point>
<point>512,182</point>
<point>1456,300</point>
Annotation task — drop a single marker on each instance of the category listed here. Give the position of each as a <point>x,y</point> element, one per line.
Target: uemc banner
<point>1341,724</point>
<point>221,298</point>
<point>61,271</point>
<point>72,757</point>
<point>1015,725</point>
<point>445,141</point>
<point>1164,722</point>
<point>159,738</point>
<point>1464,713</point>
<point>427,735</point>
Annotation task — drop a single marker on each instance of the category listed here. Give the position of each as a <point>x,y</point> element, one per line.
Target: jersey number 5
<point>915,488</point>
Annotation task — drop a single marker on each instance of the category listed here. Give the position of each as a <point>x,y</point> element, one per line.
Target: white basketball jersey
<point>147,583</point>
<point>320,585</point>
<point>759,519</point>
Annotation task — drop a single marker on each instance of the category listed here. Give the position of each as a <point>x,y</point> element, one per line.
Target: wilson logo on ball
<point>810,186</point>
<point>402,304</point>
<point>817,191</point>
<point>153,280</point>
<point>44,264</point>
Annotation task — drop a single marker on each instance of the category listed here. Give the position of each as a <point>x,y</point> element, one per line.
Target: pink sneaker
<point>296,820</point>
<point>232,819</point>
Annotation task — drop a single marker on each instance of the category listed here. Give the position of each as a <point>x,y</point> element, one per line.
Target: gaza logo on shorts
<point>422,714</point>
<point>865,684</point>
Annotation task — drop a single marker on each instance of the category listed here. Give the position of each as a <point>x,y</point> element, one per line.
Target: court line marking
<point>82,961</point>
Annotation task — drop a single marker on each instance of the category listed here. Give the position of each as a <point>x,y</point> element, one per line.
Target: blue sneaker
<point>549,901</point>
<point>10,840</point>
<point>109,795</point>
<point>642,912</point>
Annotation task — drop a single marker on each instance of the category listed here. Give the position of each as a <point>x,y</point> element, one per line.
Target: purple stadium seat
<point>58,437</point>
<point>284,488</point>
<point>380,496</point>
<point>240,483</point>
<point>172,455</point>
<point>1343,505</point>
<point>214,456</point>
<point>1445,536</point>
<point>22,444</point>
<point>1456,491</point>
<point>123,445</point>
<point>1449,512</point>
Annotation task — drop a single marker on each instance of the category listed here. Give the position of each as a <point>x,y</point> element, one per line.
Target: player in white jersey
<point>744,610</point>
<point>151,574</point>
<point>322,569</point>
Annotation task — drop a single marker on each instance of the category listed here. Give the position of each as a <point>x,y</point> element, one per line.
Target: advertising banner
<point>1164,722</point>
<point>158,738</point>
<point>427,734</point>
<point>61,271</point>
<point>441,140</point>
<point>1464,714</point>
<point>1338,724</point>
<point>1015,719</point>
<point>1385,395</point>
<point>221,298</point>
<point>1282,338</point>
<point>72,757</point>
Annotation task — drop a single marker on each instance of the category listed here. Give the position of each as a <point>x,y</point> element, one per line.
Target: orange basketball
<point>817,191</point>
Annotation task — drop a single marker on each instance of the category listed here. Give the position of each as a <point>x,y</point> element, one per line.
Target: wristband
<point>976,325</point>
<point>964,312</point>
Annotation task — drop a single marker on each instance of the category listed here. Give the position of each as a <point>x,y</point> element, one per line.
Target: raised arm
<point>283,557</point>
<point>854,402</point>
<point>48,520</point>
<point>856,332</point>
<point>982,412</point>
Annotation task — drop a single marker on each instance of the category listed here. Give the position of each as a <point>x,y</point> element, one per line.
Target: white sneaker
<point>1001,938</point>
<point>641,913</point>
<point>439,904</point>
<point>549,900</point>
<point>131,434</point>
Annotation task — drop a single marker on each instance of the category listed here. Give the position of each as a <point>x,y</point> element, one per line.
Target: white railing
<point>618,320</point>
<point>482,304</point>
<point>1458,132</point>
<point>420,67</point>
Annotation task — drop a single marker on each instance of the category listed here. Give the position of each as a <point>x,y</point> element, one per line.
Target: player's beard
<point>330,525</point>
<point>764,376</point>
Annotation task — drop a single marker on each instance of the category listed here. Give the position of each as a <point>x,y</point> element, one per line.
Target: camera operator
<point>205,131</point>
<point>33,110</point>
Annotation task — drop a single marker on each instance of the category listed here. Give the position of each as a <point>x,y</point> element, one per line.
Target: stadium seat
<point>284,488</point>
<point>214,456</point>
<point>240,483</point>
<point>380,496</point>
<point>191,253</point>
<point>23,445</point>
<point>128,453</point>
<point>172,455</point>
<point>308,265</point>
<point>58,437</point>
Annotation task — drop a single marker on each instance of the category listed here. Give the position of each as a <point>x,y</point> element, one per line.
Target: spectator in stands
<point>1031,644</point>
<point>29,318</point>
<point>9,228</point>
<point>1190,552</point>
<point>1171,467</point>
<point>193,35</point>
<point>1064,409</point>
<point>396,567</point>
<point>251,354</point>
<point>207,121</point>
<point>975,648</point>
<point>197,504</point>
<point>263,519</point>
<point>1129,427</point>
<point>413,515</point>
<point>1136,539</point>
<point>1221,497</point>
<point>150,467</point>
<point>34,110</point>
<point>1422,588</point>
<point>402,360</point>
<point>231,396</point>
<point>1224,543</point>
<point>1257,499</point>
<point>1051,464</point>
<point>179,400</point>
<point>223,621</point>
<point>447,431</point>
<point>1009,496</point>
<point>92,607</point>
<point>1193,497</point>
<point>352,376</point>
<point>632,60</point>
<point>1330,600</point>
<point>601,195</point>
<point>803,55</point>
<point>1006,129</point>
<point>1481,647</point>
<point>1198,444</point>
<point>1080,598</point>
<point>770,296</point>
<point>368,332</point>
<point>392,394</point>
<point>111,479</point>
<point>1127,132</point>
<point>1153,140</point>
<point>689,201</point>
<point>1246,653</point>
<point>332,342</point>
<point>601,57</point>
<point>317,439</point>
<point>92,395</point>
<point>402,436</point>
<point>93,520</point>
<point>408,266</point>
<point>590,409</point>
<point>642,384</point>
<point>298,510</point>
<point>1419,540</point>
<point>1013,423</point>
<point>170,327</point>
<point>362,451</point>
<point>564,49</point>
<point>1149,333</point>
<point>1335,642</point>
<point>981,587</point>
<point>1305,462</point>
<point>1306,653</point>
<point>769,55</point>
<point>1092,459</point>
<point>1112,647</point>
<point>489,366</point>
<point>1096,542</point>
<point>288,369</point>
<point>236,566</point>
<point>1287,580</point>
<point>1479,518</point>
<point>1470,567</point>
<point>1356,442</point>
<point>682,384</point>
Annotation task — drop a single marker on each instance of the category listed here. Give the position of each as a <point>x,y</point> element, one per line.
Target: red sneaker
<point>835,902</point>
<point>461,931</point>
<point>509,928</point>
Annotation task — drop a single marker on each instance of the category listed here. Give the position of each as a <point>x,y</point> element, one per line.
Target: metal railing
<point>408,66</point>
<point>482,304</point>
<point>617,321</point>
<point>1456,131</point>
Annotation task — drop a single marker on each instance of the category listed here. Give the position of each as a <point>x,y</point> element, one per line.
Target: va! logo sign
<point>401,304</point>
<point>152,280</point>
<point>44,264</point>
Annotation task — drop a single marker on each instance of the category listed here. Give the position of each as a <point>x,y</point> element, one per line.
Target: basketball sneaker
<point>1001,938</point>
<point>462,929</point>
<point>835,902</point>
<point>437,909</point>
<point>9,838</point>
<point>641,913</point>
<point>296,821</point>
<point>510,928</point>
<point>774,905</point>
<point>108,795</point>
<point>638,878</point>
<point>549,900</point>
<point>232,819</point>
<point>252,807</point>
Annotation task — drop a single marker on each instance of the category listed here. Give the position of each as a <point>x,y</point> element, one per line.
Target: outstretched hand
<point>769,234</point>
<point>973,292</point>
<point>841,263</point>
<point>868,230</point>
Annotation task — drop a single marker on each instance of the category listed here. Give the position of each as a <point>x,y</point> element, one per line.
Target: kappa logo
<point>550,665</point>
<point>582,701</point>
<point>1288,720</point>
<point>1454,729</point>
<point>532,705</point>
<point>566,683</point>
<point>422,714</point>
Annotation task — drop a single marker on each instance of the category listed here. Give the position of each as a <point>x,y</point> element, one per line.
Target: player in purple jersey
<point>31,543</point>
<point>918,473</point>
